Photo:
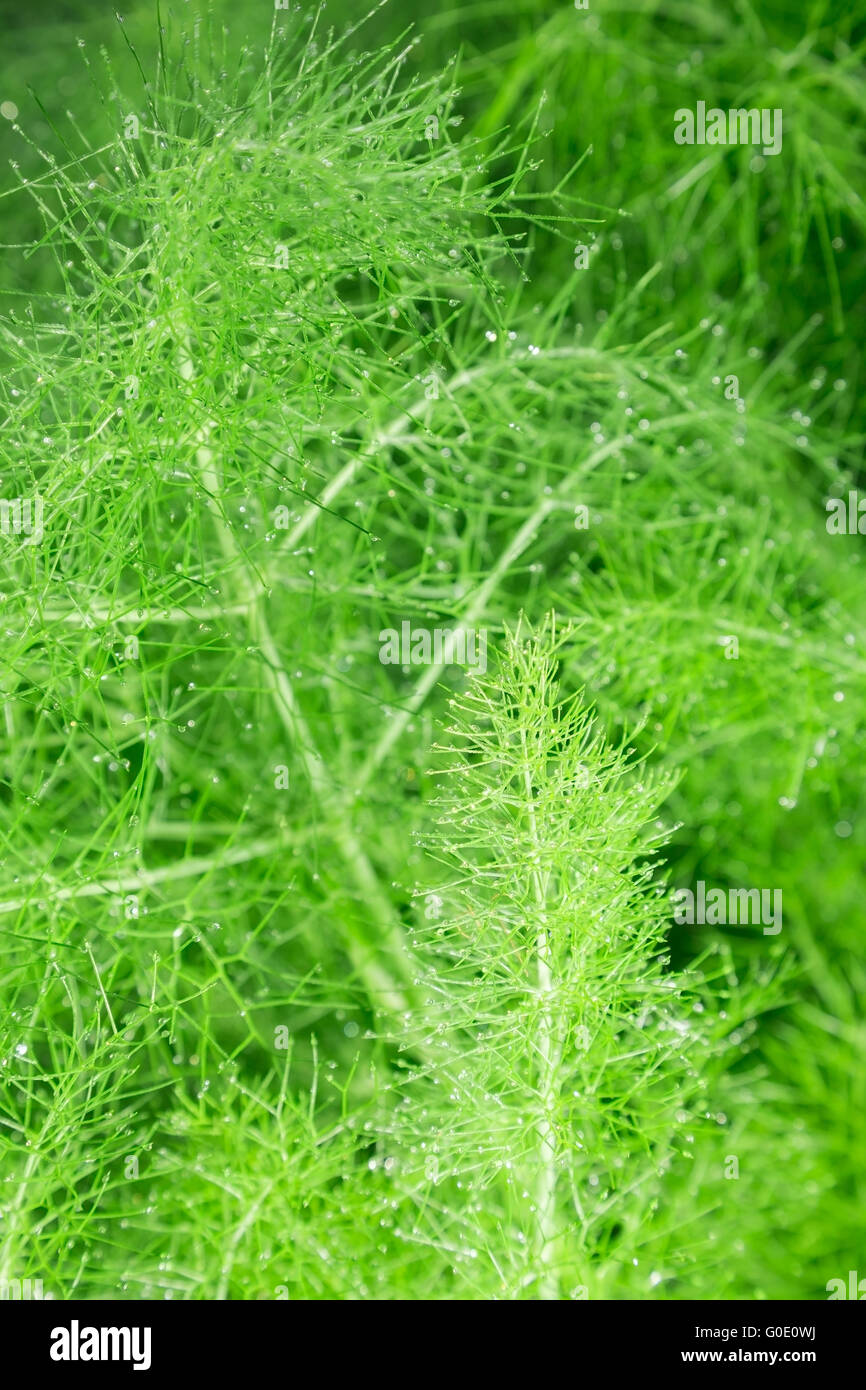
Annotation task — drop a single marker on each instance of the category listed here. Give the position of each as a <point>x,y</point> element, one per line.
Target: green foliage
<point>296,362</point>
<point>563,1064</point>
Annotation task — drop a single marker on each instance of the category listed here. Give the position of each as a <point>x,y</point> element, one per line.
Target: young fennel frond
<point>558,1046</point>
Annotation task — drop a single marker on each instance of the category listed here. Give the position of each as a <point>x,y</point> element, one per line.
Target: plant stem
<point>545,1190</point>
<point>385,991</point>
